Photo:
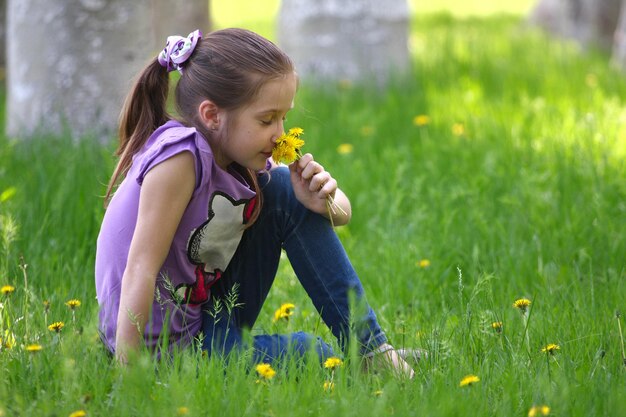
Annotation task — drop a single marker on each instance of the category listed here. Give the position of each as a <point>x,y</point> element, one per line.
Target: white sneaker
<point>412,354</point>
<point>386,358</point>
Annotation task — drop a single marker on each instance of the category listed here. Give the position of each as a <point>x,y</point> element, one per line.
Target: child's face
<point>252,134</point>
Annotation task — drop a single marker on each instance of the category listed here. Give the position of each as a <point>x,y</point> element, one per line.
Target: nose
<point>280,129</point>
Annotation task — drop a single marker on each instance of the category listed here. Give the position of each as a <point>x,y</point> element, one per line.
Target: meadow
<point>494,173</point>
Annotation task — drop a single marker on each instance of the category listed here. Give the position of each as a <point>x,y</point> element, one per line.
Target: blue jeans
<point>321,265</point>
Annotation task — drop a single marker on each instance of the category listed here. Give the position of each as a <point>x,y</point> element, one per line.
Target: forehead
<point>275,95</point>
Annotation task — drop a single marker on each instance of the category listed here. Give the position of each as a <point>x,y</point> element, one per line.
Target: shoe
<point>386,358</point>
<point>412,354</point>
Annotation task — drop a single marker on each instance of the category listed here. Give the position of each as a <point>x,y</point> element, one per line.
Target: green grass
<point>529,200</point>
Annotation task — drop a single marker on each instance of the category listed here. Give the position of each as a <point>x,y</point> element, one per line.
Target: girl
<point>202,213</point>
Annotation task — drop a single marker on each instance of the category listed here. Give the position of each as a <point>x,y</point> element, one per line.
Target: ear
<point>210,114</point>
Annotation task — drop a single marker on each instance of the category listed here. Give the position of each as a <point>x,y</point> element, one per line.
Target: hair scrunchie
<point>178,50</point>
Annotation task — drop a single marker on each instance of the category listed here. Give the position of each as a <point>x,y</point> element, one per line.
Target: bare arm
<point>165,193</point>
<point>313,185</point>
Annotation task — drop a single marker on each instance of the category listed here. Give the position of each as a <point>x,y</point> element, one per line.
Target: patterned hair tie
<point>178,50</point>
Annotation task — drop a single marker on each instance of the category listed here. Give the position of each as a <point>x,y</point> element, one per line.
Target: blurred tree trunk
<point>71,62</point>
<point>590,22</point>
<point>346,39</point>
<point>179,17</point>
<point>619,46</point>
<point>3,34</point>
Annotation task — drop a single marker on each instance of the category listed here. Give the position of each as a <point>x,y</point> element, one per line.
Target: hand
<point>312,184</point>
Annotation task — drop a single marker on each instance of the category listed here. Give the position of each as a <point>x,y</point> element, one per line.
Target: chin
<point>256,166</point>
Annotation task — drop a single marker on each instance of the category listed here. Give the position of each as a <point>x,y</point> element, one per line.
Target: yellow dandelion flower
<point>265,371</point>
<point>7,194</point>
<point>284,312</point>
<point>469,380</point>
<point>8,341</point>
<point>295,131</point>
<point>421,120</point>
<point>367,130</point>
<point>497,326</point>
<point>78,413</point>
<point>423,263</point>
<point>538,410</point>
<point>551,348</point>
<point>287,147</point>
<point>329,386</point>
<point>72,304</point>
<point>522,304</point>
<point>34,348</point>
<point>7,289</point>
<point>345,148</point>
<point>333,362</point>
<point>458,129</point>
<point>57,326</point>
<point>378,393</point>
<point>182,411</point>
<point>344,84</point>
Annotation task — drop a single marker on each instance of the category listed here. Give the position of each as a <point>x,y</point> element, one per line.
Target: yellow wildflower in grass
<point>182,411</point>
<point>333,362</point>
<point>378,393</point>
<point>345,148</point>
<point>7,194</point>
<point>7,289</point>
<point>421,120</point>
<point>458,129</point>
<point>329,386</point>
<point>522,304</point>
<point>46,306</point>
<point>538,410</point>
<point>469,380</point>
<point>367,130</point>
<point>287,147</point>
<point>78,413</point>
<point>423,263</point>
<point>497,326</point>
<point>8,341</point>
<point>265,371</point>
<point>591,80</point>
<point>551,348</point>
<point>34,348</point>
<point>284,312</point>
<point>57,326</point>
<point>72,304</point>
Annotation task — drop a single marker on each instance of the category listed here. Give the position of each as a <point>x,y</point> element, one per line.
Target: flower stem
<point>618,316</point>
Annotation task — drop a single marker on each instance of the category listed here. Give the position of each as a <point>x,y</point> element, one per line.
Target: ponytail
<point>143,112</point>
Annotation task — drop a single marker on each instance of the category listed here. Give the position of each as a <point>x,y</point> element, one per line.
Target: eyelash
<point>269,122</point>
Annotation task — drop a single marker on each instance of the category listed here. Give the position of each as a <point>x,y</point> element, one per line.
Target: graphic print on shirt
<point>213,244</point>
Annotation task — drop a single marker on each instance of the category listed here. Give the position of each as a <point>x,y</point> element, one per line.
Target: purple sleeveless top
<point>203,245</point>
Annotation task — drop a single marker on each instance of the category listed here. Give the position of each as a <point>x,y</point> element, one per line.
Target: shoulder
<point>167,141</point>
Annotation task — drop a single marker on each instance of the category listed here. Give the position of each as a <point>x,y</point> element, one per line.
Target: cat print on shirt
<point>213,244</point>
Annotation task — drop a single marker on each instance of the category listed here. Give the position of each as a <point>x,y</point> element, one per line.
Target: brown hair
<point>228,67</point>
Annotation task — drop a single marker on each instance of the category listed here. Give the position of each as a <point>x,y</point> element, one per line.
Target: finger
<point>319,180</point>
<point>328,188</point>
<point>304,160</point>
<point>311,169</point>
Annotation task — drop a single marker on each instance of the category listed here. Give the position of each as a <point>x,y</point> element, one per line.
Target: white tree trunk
<point>179,17</point>
<point>619,45</point>
<point>3,31</point>
<point>346,39</point>
<point>71,62</point>
<point>590,22</point>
